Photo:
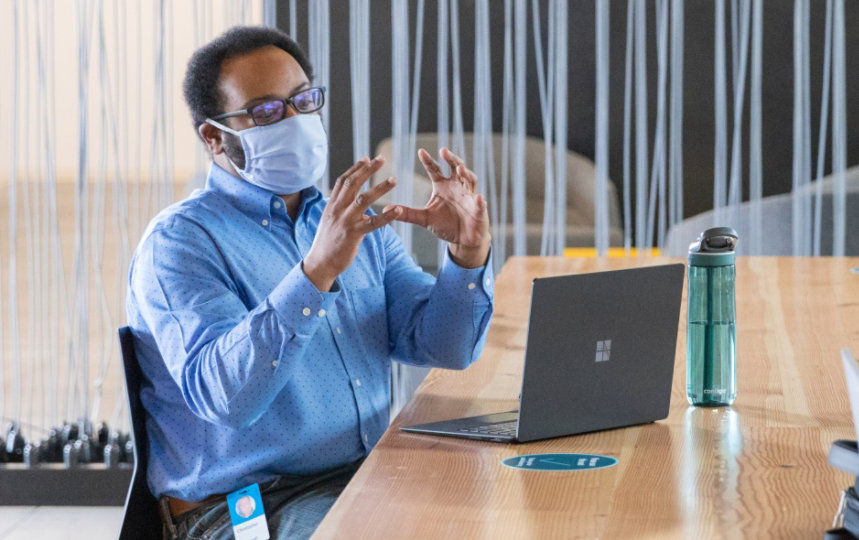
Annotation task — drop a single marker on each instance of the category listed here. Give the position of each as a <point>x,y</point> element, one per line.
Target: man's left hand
<point>455,212</point>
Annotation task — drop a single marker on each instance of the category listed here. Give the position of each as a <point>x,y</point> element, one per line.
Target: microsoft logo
<point>603,350</point>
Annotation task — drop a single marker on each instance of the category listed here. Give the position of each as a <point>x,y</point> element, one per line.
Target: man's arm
<point>228,359</point>
<point>440,324</point>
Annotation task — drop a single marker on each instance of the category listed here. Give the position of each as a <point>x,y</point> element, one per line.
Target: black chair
<point>141,520</point>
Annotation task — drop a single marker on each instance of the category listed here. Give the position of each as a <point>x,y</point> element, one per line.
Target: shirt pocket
<point>370,313</point>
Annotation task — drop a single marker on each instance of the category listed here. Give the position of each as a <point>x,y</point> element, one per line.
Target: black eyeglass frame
<point>288,102</point>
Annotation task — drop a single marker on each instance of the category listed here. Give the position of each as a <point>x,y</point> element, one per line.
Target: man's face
<point>250,79</point>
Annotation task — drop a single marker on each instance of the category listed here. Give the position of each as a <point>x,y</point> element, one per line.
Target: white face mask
<point>284,157</point>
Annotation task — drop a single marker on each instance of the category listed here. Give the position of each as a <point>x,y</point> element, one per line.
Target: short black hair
<point>204,68</point>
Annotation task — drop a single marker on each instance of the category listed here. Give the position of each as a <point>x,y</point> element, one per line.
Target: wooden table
<point>756,470</point>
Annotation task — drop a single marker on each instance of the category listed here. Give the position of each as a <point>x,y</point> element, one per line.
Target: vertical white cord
<point>657,173</point>
<point>408,188</point>
<point>501,233</point>
<point>442,96</point>
<point>839,132</point>
<point>627,127</point>
<point>293,19</point>
<point>458,126</point>
<point>483,154</point>
<point>270,13</point>
<point>520,101</point>
<point>736,185</point>
<point>13,223</point>
<point>442,82</point>
<point>601,129</point>
<point>801,139</point>
<point>79,342</point>
<point>359,65</point>
<point>546,105</point>
<point>720,152</point>
<point>400,106</point>
<point>824,127</point>
<point>755,137</point>
<point>641,150</point>
<point>675,130</point>
<point>319,39</point>
<point>561,115</point>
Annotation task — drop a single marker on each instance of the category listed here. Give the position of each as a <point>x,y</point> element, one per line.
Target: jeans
<point>294,507</point>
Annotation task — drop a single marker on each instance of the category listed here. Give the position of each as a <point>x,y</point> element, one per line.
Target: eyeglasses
<point>269,112</point>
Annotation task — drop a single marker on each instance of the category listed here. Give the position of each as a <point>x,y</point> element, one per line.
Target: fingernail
<point>377,158</point>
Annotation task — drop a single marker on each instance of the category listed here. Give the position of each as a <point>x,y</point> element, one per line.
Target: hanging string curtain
<point>81,186</point>
<point>68,241</point>
<point>755,124</point>
<point>319,53</point>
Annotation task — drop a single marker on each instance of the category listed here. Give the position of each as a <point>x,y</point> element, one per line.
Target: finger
<point>364,200</point>
<point>338,185</point>
<point>352,183</point>
<point>410,215</point>
<point>468,177</point>
<point>452,159</point>
<point>431,166</point>
<point>371,223</point>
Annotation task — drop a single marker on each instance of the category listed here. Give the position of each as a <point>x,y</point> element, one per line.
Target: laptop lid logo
<point>603,350</point>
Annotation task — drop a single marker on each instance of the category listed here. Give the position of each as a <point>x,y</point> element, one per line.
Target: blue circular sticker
<point>559,462</point>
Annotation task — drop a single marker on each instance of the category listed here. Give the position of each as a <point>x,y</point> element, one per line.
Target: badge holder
<point>844,455</point>
<point>247,514</point>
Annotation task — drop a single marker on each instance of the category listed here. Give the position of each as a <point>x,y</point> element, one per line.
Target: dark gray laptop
<point>599,355</point>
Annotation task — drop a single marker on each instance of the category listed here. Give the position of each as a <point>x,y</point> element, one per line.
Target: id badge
<point>247,514</point>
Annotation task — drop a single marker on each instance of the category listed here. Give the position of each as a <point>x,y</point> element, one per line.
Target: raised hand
<point>455,212</point>
<point>345,222</point>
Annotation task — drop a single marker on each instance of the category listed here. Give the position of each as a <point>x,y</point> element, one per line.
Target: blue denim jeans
<point>294,507</point>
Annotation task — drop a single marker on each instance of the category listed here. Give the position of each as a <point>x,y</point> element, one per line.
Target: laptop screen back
<point>600,350</point>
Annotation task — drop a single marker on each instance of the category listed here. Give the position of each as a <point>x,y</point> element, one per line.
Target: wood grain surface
<point>755,470</point>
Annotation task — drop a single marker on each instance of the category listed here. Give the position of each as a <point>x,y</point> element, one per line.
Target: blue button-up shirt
<point>251,372</point>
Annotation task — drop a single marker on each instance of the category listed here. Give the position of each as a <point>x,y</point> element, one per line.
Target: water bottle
<point>711,334</point>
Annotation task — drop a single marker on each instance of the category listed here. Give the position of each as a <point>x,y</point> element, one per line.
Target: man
<point>266,318</point>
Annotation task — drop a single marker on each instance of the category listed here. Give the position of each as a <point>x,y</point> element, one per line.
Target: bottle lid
<point>714,247</point>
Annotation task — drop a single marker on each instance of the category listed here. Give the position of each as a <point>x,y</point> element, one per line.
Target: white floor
<point>37,522</point>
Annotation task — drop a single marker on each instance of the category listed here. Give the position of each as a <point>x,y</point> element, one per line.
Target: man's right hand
<point>345,222</point>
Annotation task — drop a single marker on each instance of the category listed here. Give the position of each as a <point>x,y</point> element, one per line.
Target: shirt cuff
<point>456,280</point>
<point>299,304</point>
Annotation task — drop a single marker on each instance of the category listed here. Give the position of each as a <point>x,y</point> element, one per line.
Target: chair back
<point>141,520</point>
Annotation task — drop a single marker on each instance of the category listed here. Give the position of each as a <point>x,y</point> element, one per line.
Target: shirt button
<point>321,313</point>
<point>338,330</point>
<point>357,382</point>
<point>366,438</point>
<point>306,312</point>
<point>488,281</point>
<point>471,286</point>
<point>265,223</point>
<point>274,363</point>
<point>277,204</point>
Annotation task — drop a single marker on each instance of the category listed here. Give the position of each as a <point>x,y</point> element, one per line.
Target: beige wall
<point>41,317</point>
<point>131,37</point>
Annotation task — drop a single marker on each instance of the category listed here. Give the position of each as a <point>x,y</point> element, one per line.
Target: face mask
<point>284,157</point>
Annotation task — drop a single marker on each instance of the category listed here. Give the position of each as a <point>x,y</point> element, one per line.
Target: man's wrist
<point>322,282</point>
<point>469,257</point>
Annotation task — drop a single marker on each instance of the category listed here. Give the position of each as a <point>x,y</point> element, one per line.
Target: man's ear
<point>212,138</point>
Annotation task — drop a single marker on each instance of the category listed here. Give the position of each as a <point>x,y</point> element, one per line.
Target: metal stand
<point>51,484</point>
<point>844,455</point>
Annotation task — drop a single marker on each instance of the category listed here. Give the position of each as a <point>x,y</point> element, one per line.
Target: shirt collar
<point>252,200</point>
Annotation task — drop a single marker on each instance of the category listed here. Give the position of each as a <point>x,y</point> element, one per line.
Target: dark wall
<point>698,127</point>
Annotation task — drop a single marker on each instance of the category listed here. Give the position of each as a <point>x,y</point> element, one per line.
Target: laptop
<point>599,355</point>
<point>851,375</point>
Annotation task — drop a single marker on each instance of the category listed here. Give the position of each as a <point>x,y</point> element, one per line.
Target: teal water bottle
<point>711,334</point>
